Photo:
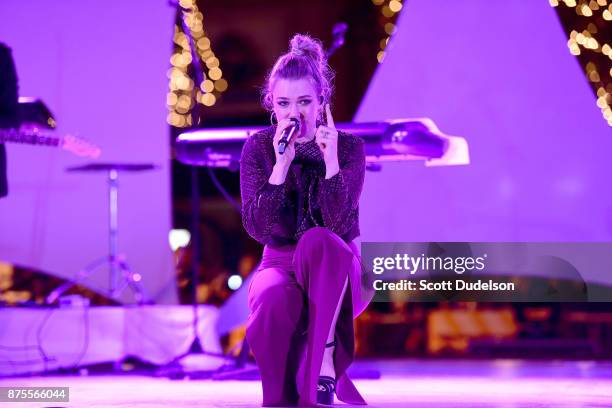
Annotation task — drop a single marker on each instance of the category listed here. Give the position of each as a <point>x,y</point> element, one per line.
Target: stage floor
<point>404,383</point>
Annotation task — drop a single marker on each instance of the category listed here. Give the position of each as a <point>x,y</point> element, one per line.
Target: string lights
<point>589,42</point>
<point>389,10</point>
<point>183,93</point>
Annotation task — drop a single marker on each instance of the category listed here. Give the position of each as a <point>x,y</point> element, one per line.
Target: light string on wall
<point>183,93</point>
<point>389,10</point>
<point>589,42</point>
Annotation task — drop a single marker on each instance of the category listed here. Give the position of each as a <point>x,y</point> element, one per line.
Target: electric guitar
<point>35,136</point>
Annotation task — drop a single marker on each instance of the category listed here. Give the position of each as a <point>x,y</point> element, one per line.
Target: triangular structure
<point>500,75</point>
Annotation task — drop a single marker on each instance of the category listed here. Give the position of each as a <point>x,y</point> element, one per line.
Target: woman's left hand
<point>327,140</point>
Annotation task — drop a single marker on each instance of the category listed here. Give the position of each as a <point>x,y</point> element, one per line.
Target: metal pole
<point>112,256</point>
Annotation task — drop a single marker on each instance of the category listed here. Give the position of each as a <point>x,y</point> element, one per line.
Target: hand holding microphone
<point>284,140</point>
<point>287,132</point>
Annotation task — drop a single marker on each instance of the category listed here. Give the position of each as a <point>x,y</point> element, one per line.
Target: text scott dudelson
<point>459,284</point>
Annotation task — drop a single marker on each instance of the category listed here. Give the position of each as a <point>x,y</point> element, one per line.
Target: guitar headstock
<point>80,147</point>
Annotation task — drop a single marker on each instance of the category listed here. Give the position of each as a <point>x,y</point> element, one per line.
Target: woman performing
<point>303,205</point>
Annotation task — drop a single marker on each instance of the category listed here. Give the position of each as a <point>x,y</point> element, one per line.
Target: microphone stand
<point>174,369</point>
<point>338,33</point>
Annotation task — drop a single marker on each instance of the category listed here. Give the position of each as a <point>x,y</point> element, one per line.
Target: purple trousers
<point>293,298</point>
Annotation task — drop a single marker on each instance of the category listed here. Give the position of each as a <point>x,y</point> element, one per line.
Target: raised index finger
<point>330,119</point>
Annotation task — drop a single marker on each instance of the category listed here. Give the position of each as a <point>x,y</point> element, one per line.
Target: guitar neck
<point>33,137</point>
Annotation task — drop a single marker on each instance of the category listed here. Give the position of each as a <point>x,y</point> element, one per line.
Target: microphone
<point>287,134</point>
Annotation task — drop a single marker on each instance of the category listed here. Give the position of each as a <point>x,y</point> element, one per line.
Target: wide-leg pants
<point>293,298</point>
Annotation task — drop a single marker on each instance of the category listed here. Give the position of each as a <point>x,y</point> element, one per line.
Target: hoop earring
<point>272,118</point>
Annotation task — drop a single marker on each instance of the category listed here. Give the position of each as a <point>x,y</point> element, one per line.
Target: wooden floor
<point>406,383</point>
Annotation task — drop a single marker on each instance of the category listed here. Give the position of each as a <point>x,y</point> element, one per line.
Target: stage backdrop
<point>498,73</point>
<point>101,68</point>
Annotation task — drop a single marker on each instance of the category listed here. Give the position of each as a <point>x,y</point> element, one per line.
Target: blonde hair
<point>305,59</point>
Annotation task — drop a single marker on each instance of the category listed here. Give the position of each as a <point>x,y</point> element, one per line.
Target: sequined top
<point>278,215</point>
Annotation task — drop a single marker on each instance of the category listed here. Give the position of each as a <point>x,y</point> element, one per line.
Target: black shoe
<point>326,388</point>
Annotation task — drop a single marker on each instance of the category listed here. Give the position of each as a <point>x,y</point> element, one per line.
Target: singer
<point>303,205</point>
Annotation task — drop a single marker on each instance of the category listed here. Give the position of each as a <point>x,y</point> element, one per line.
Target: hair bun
<point>305,45</point>
<point>305,59</point>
